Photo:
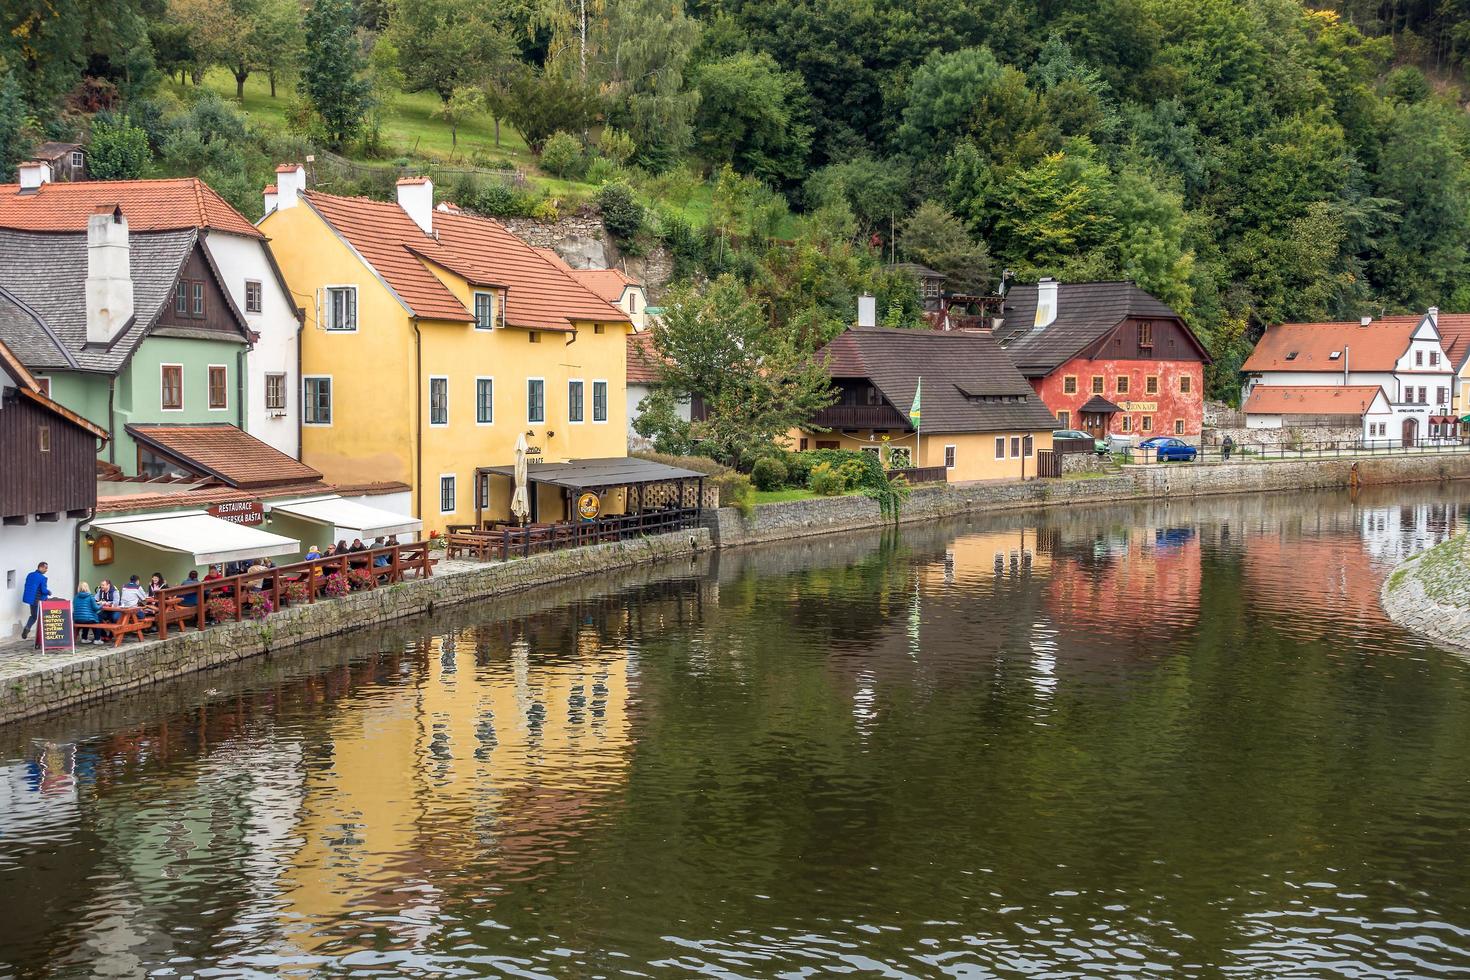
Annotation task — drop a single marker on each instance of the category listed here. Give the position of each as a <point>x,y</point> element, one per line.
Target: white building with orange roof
<point>1403,357</point>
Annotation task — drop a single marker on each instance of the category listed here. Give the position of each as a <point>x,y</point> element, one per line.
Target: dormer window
<point>1291,356</point>
<point>1145,334</point>
<point>484,311</point>
<point>1335,355</point>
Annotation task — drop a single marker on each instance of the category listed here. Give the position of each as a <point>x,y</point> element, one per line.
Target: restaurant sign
<point>249,512</point>
<point>589,505</point>
<point>1139,406</point>
<point>56,633</point>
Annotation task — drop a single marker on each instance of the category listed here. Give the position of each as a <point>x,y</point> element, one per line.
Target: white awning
<point>209,539</point>
<point>360,520</point>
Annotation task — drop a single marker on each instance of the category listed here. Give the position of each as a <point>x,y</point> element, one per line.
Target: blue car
<point>1168,450</point>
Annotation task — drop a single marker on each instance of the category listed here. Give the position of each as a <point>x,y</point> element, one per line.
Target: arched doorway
<point>1411,432</point>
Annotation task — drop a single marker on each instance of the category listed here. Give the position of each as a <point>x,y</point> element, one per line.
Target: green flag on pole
<point>914,411</point>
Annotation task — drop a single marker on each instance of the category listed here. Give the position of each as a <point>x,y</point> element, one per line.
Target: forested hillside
<point>1248,161</point>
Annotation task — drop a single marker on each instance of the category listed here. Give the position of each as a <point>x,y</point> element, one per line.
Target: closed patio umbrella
<point>520,504</point>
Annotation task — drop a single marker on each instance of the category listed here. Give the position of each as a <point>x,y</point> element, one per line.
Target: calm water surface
<point>1174,739</point>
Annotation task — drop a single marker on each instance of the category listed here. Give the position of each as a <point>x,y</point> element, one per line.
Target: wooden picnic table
<point>130,620</point>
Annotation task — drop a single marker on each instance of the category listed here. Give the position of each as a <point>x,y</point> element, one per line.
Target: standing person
<point>1227,447</point>
<point>84,610</point>
<point>36,591</point>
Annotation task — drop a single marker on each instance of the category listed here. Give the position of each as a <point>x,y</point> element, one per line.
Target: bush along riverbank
<point>1429,594</point>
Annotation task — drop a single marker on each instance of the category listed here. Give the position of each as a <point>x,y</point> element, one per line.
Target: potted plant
<point>220,609</point>
<point>359,579</point>
<point>335,586</point>
<point>295,592</point>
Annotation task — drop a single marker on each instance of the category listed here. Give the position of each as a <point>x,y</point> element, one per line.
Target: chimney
<point>1046,302</point>
<point>109,277</point>
<point>271,196</point>
<point>867,311</point>
<point>1433,313</point>
<point>416,196</point>
<point>34,173</point>
<point>290,182</point>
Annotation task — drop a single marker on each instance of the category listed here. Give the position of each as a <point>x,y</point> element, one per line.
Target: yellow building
<point>979,418</point>
<point>432,340</point>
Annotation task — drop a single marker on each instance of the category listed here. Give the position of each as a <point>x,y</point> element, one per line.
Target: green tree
<point>933,236</point>
<point>277,34</point>
<point>15,145</point>
<point>446,46</point>
<point>118,152</point>
<point>756,381</point>
<point>875,189</point>
<point>643,54</point>
<point>538,104</point>
<point>331,74</point>
<point>461,106</point>
<point>753,116</point>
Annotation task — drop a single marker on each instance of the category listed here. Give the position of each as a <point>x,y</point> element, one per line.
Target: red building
<point>1106,357</point>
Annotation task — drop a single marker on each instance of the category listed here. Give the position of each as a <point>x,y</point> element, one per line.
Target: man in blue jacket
<point>35,592</point>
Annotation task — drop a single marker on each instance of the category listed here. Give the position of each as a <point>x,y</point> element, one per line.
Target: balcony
<point>860,417</point>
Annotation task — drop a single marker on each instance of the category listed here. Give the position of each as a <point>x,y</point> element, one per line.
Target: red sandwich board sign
<point>55,633</point>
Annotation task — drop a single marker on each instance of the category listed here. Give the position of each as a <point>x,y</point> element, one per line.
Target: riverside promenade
<point>32,685</point>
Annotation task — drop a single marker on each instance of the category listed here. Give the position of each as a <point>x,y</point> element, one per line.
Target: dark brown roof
<point>1086,312</point>
<point>968,384</point>
<point>1098,405</point>
<point>225,452</point>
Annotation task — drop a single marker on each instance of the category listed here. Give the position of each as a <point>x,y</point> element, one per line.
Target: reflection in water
<point>1178,738</point>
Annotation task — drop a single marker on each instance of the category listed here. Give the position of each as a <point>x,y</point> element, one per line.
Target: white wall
<point>240,258</point>
<point>21,548</point>
<point>636,394</point>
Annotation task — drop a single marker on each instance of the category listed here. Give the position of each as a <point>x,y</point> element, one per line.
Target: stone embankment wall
<point>63,680</point>
<point>1429,594</point>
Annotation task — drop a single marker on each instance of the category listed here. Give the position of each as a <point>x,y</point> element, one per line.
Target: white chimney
<point>416,196</point>
<point>1046,302</point>
<point>34,173</point>
<point>271,197</point>
<point>290,181</point>
<point>109,277</point>
<point>867,311</point>
<point>1434,316</point>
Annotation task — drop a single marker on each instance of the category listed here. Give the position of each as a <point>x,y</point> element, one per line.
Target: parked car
<point>1098,446</point>
<point>1167,449</point>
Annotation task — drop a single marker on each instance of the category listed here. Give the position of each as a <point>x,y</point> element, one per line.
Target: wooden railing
<point>921,474</point>
<point>860,417</point>
<point>248,593</point>
<point>503,540</point>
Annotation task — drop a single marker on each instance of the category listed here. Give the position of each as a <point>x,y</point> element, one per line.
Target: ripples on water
<point>1176,739</point>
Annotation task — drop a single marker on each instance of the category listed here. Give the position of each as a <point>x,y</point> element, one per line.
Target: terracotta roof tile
<point>607,283</point>
<point>150,205</point>
<point>152,499</point>
<point>642,359</point>
<point>1309,346</point>
<point>1311,399</point>
<point>1454,334</point>
<point>225,452</point>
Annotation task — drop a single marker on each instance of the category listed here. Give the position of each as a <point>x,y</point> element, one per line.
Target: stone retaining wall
<point>64,680</point>
<point>1429,594</point>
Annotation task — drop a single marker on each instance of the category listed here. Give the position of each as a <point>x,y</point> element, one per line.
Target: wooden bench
<point>129,623</point>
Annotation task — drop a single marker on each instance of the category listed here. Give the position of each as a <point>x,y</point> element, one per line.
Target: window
<point>252,296</point>
<point>341,307</point>
<point>181,297</point>
<point>949,452</point>
<point>1064,419</point>
<point>1145,335</point>
<point>1418,358</point>
<point>482,491</point>
<point>1148,423</point>
<point>484,401</point>
<point>171,388</point>
<point>1028,446</point>
<point>1444,396</point>
<point>1434,358</point>
<point>484,311</point>
<point>44,432</point>
<point>316,406</point>
<point>219,379</point>
<point>1000,447</point>
<point>828,444</point>
<point>1185,384</point>
<point>598,328</point>
<point>1127,423</point>
<point>1179,427</point>
<point>1122,383</point>
<point>632,302</point>
<point>802,447</point>
<point>446,494</point>
<point>900,458</point>
<point>574,401</point>
<point>438,401</point>
<point>1151,385</point>
<point>535,337</point>
<point>44,384</point>
<point>1069,384</point>
<point>1097,384</point>
<point>275,392</point>
<point>599,401</point>
<point>535,400</point>
<point>77,159</point>
<point>198,288</point>
<point>1015,447</point>
<point>1423,396</point>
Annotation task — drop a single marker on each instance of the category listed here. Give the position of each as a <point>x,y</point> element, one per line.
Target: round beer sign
<point>589,505</point>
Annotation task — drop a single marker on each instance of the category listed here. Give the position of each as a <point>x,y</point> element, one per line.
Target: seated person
<point>107,595</point>
<point>190,598</point>
<point>133,596</point>
<point>84,609</point>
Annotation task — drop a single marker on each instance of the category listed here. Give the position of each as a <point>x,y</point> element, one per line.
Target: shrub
<point>335,585</point>
<point>118,152</point>
<point>736,491</point>
<point>700,464</point>
<point>768,473</point>
<point>359,579</point>
<point>616,145</point>
<point>827,480</point>
<point>798,469</point>
<point>562,156</point>
<point>622,215</point>
<point>220,608</point>
<point>602,171</point>
<point>546,210</point>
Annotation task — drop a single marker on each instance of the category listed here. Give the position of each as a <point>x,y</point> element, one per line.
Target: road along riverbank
<point>1429,594</point>
<point>31,685</point>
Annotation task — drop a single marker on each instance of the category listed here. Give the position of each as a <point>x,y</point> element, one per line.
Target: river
<point>1177,738</point>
